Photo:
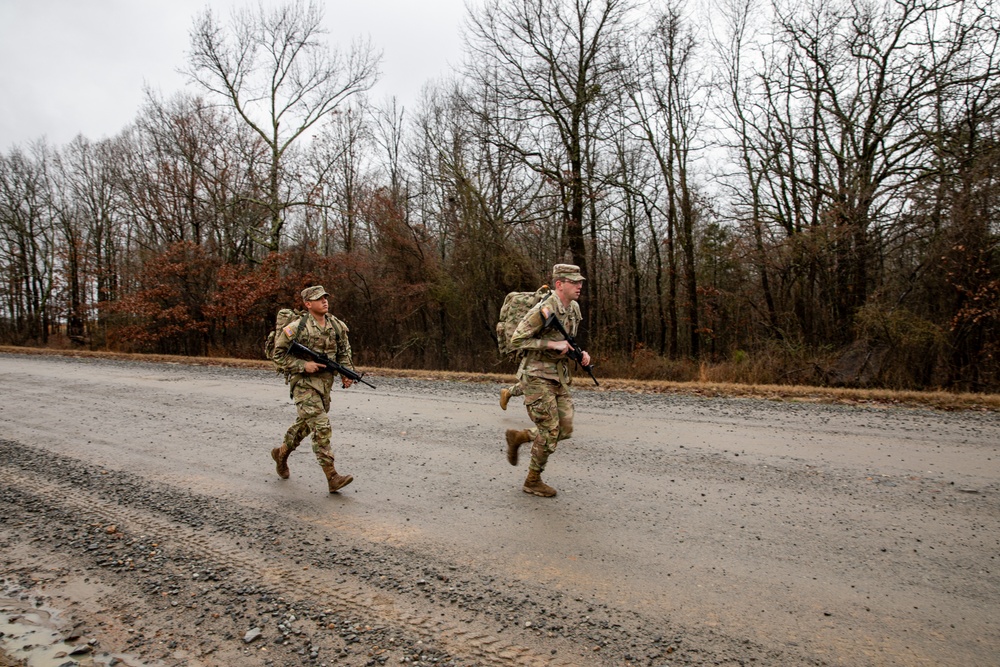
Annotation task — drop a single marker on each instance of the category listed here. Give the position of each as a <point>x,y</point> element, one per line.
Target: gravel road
<point>141,523</point>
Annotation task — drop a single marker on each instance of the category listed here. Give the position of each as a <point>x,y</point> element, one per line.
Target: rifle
<point>300,350</point>
<point>575,351</point>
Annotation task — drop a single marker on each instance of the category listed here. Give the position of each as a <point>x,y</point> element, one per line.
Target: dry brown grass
<point>940,400</point>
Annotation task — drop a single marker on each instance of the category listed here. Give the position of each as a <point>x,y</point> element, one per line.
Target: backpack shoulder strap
<point>302,325</point>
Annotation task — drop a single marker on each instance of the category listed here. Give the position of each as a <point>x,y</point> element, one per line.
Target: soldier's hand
<point>347,382</point>
<point>586,358</point>
<point>560,346</point>
<point>312,367</point>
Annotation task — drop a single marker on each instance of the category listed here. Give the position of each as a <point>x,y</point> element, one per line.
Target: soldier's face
<point>569,289</point>
<point>319,306</point>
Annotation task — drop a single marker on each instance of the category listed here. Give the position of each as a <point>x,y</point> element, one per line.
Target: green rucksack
<point>515,306</point>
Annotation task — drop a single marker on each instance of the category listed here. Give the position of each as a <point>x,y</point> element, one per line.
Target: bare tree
<point>339,166</point>
<point>88,200</point>
<point>189,172</point>
<point>869,72</point>
<point>389,134</point>
<point>669,103</point>
<point>476,196</point>
<point>736,21</point>
<point>28,245</point>
<point>273,71</point>
<point>552,63</point>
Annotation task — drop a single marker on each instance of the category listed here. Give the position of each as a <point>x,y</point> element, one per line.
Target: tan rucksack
<point>515,306</point>
<point>281,320</point>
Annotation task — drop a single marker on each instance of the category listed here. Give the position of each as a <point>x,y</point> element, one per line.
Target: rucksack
<point>515,306</point>
<point>281,320</point>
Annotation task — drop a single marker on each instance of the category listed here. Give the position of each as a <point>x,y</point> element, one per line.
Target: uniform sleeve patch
<point>289,330</point>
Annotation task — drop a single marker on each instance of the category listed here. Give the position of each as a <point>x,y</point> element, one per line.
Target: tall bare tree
<point>732,41</point>
<point>868,72</point>
<point>339,165</point>
<point>475,196</point>
<point>28,245</point>
<point>389,133</point>
<point>552,63</point>
<point>669,102</point>
<point>271,68</point>
<point>88,200</point>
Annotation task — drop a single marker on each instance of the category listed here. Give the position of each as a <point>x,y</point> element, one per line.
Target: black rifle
<point>300,350</point>
<point>575,352</point>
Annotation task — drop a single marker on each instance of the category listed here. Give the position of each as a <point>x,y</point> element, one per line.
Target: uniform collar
<point>318,325</point>
<point>563,309</point>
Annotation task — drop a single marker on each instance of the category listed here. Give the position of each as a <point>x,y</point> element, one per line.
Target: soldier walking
<point>544,375</point>
<point>310,383</point>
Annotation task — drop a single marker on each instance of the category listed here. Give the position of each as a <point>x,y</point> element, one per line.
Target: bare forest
<point>758,191</point>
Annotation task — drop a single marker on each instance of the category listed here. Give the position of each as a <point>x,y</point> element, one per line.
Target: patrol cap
<point>314,292</point>
<point>567,272</point>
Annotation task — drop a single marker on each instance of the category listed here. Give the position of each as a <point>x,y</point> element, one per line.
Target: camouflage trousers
<point>312,418</point>
<point>550,406</point>
<point>515,389</point>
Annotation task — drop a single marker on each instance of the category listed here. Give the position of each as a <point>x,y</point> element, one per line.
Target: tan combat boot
<point>280,456</point>
<point>536,487</point>
<point>514,441</point>
<point>334,480</point>
<point>504,398</point>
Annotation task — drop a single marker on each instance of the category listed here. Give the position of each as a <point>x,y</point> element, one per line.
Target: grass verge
<point>938,400</point>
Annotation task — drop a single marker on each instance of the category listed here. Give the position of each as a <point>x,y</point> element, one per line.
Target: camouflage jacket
<point>529,338</point>
<point>330,340</point>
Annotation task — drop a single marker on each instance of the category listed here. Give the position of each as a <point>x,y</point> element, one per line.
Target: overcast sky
<point>70,67</point>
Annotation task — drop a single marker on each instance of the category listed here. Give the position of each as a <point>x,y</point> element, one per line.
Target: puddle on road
<point>33,634</point>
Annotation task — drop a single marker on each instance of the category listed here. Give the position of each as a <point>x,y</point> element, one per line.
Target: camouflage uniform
<point>311,391</point>
<point>545,376</point>
<point>507,393</point>
<point>513,304</point>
